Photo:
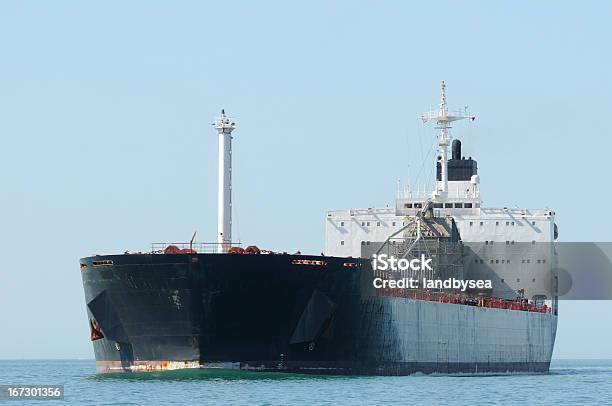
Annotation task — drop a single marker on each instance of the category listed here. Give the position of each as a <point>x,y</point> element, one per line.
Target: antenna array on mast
<point>443,118</point>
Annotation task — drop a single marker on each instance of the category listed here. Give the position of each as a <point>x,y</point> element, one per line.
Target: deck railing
<point>199,247</point>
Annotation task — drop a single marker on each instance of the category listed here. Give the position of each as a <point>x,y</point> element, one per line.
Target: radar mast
<point>443,118</point>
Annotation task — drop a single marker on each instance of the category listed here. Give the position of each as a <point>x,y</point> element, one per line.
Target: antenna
<point>443,118</point>
<point>191,241</point>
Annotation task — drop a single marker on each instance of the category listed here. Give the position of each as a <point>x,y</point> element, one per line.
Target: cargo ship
<point>219,305</point>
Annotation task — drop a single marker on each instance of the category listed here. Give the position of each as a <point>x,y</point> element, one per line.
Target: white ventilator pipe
<point>224,126</point>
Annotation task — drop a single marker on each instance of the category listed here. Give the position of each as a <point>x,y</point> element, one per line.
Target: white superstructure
<point>224,126</point>
<point>504,240</point>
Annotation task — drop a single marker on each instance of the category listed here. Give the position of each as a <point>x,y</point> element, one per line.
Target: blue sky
<point>105,112</point>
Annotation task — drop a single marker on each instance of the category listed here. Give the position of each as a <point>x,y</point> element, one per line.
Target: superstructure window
<point>393,224</point>
<point>363,224</point>
<point>533,223</point>
<point>482,223</point>
<point>438,205</point>
<point>368,223</point>
<point>418,205</point>
<point>468,205</point>
<point>458,205</point>
<point>507,223</point>
<point>497,223</point>
<point>342,224</point>
<point>342,242</point>
<point>408,206</point>
<point>471,223</point>
<point>378,224</point>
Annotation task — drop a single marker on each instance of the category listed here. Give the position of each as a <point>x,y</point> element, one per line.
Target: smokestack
<point>456,149</point>
<point>224,126</point>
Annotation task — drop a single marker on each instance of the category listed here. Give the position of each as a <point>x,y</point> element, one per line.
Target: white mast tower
<point>224,125</point>
<point>443,118</point>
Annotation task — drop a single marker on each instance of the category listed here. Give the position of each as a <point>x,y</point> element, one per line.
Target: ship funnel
<point>456,149</point>
<point>224,126</point>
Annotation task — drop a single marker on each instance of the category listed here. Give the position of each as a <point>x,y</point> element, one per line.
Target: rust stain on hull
<point>107,367</point>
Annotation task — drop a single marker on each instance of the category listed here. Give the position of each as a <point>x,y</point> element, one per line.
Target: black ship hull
<point>291,313</point>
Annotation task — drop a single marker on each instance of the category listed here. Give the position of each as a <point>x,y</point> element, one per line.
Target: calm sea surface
<point>569,382</point>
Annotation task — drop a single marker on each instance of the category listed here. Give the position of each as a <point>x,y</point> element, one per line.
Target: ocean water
<point>569,382</point>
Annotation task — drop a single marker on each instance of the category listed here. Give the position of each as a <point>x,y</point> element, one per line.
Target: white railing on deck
<point>199,247</point>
